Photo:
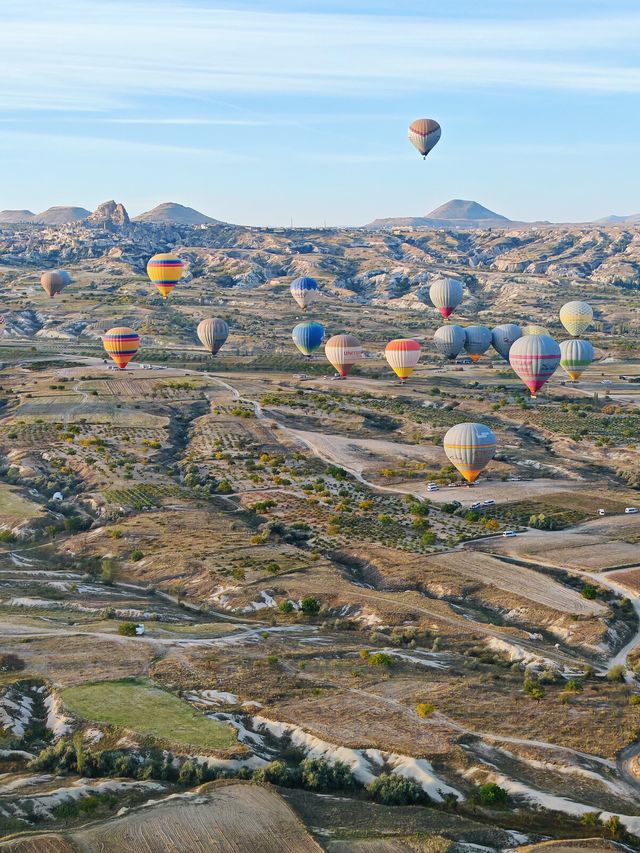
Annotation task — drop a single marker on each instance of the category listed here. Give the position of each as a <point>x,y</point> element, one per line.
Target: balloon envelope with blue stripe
<point>305,291</point>
<point>308,336</point>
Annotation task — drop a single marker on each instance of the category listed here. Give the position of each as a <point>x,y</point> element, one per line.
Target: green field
<point>13,507</point>
<point>145,709</point>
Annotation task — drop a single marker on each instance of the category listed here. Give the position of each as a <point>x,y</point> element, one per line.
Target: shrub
<point>12,663</point>
<point>136,555</point>
<point>616,673</point>
<point>310,605</point>
<point>589,592</point>
<point>493,795</point>
<point>425,709</point>
<point>286,606</point>
<point>127,629</point>
<point>391,790</point>
<point>381,659</point>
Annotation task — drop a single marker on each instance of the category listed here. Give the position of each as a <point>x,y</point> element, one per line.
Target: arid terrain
<point>332,655</point>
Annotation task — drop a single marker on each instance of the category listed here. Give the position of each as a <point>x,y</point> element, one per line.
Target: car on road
<point>475,505</point>
<point>606,382</point>
<point>509,533</point>
<point>630,510</point>
<point>602,512</point>
<point>431,487</point>
<point>489,502</point>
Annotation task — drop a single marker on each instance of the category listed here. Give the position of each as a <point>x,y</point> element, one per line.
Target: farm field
<point>148,711</point>
<point>14,508</point>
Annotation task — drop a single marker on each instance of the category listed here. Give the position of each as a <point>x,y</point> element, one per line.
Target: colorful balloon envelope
<point>503,337</point>
<point>122,343</point>
<point>477,340</point>
<point>165,271</point>
<point>308,337</point>
<point>533,329</point>
<point>343,351</point>
<point>402,354</point>
<point>470,447</point>
<point>305,291</point>
<point>446,294</point>
<point>424,134</point>
<point>212,332</point>
<point>534,359</point>
<point>449,340</point>
<point>576,317</point>
<point>575,356</point>
<point>52,282</point>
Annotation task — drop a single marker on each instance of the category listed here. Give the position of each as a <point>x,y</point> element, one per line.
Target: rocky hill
<point>457,213</point>
<point>17,216</point>
<point>60,215</point>
<point>175,214</point>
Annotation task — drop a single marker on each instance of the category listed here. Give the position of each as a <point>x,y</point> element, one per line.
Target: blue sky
<point>259,112</point>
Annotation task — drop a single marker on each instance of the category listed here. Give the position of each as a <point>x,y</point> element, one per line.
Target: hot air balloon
<point>446,294</point>
<point>477,340</point>
<point>534,358</point>
<point>449,340</point>
<point>52,282</point>
<point>308,336</point>
<point>305,291</point>
<point>165,270</point>
<point>343,351</point>
<point>212,332</point>
<point>576,317</point>
<point>533,329</point>
<point>122,343</point>
<point>424,134</point>
<point>502,338</point>
<point>64,275</point>
<point>470,447</point>
<point>575,356</point>
<point>402,354</point>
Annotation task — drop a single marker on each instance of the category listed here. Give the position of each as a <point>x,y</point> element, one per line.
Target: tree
<point>392,790</point>
<point>493,795</point>
<point>310,605</point>
<point>286,606</point>
<point>127,629</point>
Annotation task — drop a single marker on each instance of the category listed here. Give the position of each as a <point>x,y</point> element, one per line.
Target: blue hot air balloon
<point>305,291</point>
<point>308,336</point>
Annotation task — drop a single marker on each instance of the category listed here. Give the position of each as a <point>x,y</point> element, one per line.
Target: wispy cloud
<point>83,54</point>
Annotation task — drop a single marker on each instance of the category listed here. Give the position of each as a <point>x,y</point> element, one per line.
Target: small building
<point>57,496</point>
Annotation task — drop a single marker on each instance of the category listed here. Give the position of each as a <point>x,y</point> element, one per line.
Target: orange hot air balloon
<point>52,282</point>
<point>402,354</point>
<point>122,343</point>
<point>165,271</point>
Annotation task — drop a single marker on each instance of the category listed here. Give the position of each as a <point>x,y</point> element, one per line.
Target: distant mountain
<point>172,213</point>
<point>457,213</point>
<point>61,215</point>
<point>16,216</point>
<point>611,220</point>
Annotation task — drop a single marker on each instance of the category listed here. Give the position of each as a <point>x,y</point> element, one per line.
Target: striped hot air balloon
<point>534,358</point>
<point>212,332</point>
<point>446,294</point>
<point>52,282</point>
<point>477,340</point>
<point>576,317</point>
<point>470,447</point>
<point>533,329</point>
<point>342,351</point>
<point>122,343</point>
<point>503,337</point>
<point>165,271</point>
<point>308,336</point>
<point>424,134</point>
<point>575,356</point>
<point>305,291</point>
<point>449,340</point>
<point>402,354</point>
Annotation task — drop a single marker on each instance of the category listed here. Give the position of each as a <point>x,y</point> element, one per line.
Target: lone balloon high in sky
<point>165,271</point>
<point>402,354</point>
<point>576,317</point>
<point>424,134</point>
<point>305,291</point>
<point>446,294</point>
<point>212,332</point>
<point>535,358</point>
<point>308,336</point>
<point>470,447</point>
<point>122,343</point>
<point>342,351</point>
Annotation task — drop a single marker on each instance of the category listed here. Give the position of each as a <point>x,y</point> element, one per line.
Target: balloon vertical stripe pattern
<point>212,333</point>
<point>305,291</point>
<point>449,340</point>
<point>424,134</point>
<point>402,355</point>
<point>575,356</point>
<point>470,447</point>
<point>535,359</point>
<point>122,343</point>
<point>446,294</point>
<point>308,337</point>
<point>503,337</point>
<point>165,270</point>
<point>343,351</point>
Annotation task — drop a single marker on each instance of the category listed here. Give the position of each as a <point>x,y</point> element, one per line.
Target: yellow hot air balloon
<point>576,317</point>
<point>470,447</point>
<point>165,270</point>
<point>402,354</point>
<point>122,343</point>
